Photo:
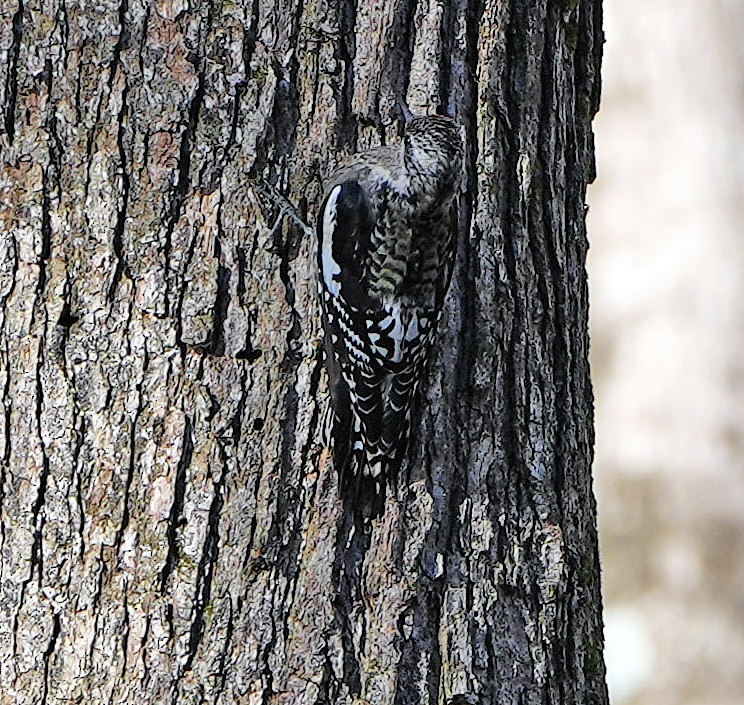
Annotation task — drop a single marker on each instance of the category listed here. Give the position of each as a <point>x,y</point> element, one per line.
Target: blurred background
<point>667,284</point>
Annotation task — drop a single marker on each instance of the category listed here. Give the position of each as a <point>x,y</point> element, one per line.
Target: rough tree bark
<point>168,510</point>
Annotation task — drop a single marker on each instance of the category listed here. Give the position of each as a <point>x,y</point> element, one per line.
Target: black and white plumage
<point>386,236</point>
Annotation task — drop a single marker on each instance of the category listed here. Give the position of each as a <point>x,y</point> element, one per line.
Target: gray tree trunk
<point>169,515</point>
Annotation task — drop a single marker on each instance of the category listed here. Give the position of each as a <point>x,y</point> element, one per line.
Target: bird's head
<point>432,144</point>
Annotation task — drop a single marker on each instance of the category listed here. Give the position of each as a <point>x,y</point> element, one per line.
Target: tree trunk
<point>170,524</point>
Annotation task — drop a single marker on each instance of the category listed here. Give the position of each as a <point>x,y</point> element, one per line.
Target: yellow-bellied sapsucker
<point>386,242</point>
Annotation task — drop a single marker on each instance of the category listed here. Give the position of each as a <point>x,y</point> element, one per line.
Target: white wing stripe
<point>330,266</point>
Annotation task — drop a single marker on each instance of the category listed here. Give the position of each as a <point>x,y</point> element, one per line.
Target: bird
<point>387,231</point>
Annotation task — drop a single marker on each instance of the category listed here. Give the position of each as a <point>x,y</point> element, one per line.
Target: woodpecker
<point>386,243</point>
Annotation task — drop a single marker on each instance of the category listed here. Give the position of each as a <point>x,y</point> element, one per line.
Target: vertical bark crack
<point>37,515</point>
<point>351,547</point>
<point>222,297</point>
<point>48,653</point>
<point>79,424</point>
<point>188,141</point>
<point>176,513</point>
<point>11,79</point>
<point>102,570</point>
<point>121,214</point>
<point>132,453</point>
<point>36,559</point>
<point>205,571</point>
<point>345,128</point>
<point>46,241</point>
<point>120,42</point>
<point>184,179</point>
<point>467,350</point>
<point>125,631</point>
<point>7,400</point>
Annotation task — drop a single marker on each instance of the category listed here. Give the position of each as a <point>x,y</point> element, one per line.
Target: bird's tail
<point>365,473</point>
<point>362,480</point>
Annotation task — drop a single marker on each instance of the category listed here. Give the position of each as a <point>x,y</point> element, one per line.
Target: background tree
<point>169,517</point>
